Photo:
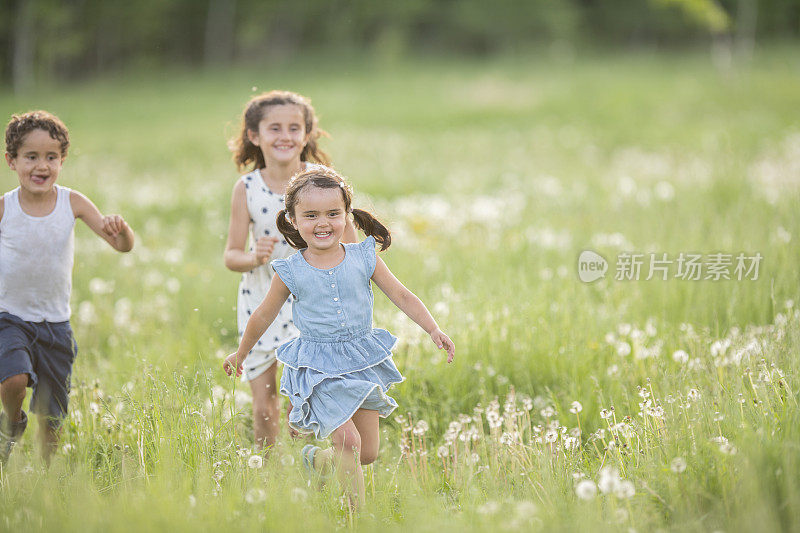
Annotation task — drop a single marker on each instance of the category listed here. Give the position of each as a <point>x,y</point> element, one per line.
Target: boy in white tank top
<point>36,255</point>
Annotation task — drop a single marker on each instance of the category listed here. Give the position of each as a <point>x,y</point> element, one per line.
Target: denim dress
<point>339,363</point>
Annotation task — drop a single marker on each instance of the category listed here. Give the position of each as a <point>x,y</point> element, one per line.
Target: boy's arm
<point>2,206</point>
<point>412,306</point>
<point>257,324</point>
<point>112,228</point>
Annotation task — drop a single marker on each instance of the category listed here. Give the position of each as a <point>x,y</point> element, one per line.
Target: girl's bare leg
<point>266,408</point>
<point>366,422</point>
<point>345,453</point>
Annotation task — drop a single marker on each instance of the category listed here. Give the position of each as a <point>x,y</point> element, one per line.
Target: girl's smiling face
<point>320,217</point>
<point>281,134</point>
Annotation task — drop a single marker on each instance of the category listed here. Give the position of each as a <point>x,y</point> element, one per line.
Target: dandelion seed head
<point>255,496</point>
<point>728,449</point>
<point>255,461</point>
<point>586,489</point>
<point>624,489</point>
<point>299,495</point>
<point>678,465</point>
<point>575,407</point>
<point>489,508</point>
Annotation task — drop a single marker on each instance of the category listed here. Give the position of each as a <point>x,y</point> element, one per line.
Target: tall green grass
<point>494,176</point>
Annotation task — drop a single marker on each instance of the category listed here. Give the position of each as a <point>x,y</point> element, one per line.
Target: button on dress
<point>339,363</point>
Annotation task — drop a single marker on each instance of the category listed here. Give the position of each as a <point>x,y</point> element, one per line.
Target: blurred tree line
<point>66,39</point>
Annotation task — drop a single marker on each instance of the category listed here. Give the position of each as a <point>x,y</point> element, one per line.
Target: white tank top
<point>36,256</point>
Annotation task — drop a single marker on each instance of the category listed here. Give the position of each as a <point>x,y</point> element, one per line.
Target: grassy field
<point>493,176</point>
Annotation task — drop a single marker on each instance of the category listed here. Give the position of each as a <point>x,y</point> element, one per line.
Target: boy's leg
<point>54,354</point>
<point>266,408</point>
<point>16,373</point>
<point>49,433</point>
<point>13,419</point>
<point>12,394</point>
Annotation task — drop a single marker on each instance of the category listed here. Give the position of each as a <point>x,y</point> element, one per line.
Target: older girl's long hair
<point>247,155</point>
<point>326,179</point>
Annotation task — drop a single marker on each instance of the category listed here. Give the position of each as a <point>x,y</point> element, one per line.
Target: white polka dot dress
<point>263,206</point>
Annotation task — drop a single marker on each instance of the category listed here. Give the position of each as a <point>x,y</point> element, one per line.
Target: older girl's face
<point>281,134</point>
<point>320,217</point>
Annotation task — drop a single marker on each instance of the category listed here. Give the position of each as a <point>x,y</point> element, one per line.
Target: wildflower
<point>623,349</point>
<point>464,419</point>
<point>242,452</point>
<point>570,444</point>
<point>218,475</point>
<point>255,496</point>
<point>299,495</point>
<point>680,356</point>
<point>255,461</point>
<point>575,407</point>
<point>551,436</point>
<point>400,420</point>
<point>678,465</point>
<point>718,417</point>
<point>586,489</point>
<point>548,412</point>
<point>728,449</point>
<point>624,489</point>
<point>609,479</point>
<point>643,392</point>
<point>719,440</point>
<point>474,458</point>
<point>443,452</point>
<point>490,507</point>
<point>527,403</point>
<point>605,414</point>
<point>693,395</point>
<point>493,419</point>
<point>421,428</point>
<point>455,426</point>
<point>526,509</point>
<point>67,448</point>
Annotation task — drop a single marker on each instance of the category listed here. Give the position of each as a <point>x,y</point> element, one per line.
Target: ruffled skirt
<point>328,380</point>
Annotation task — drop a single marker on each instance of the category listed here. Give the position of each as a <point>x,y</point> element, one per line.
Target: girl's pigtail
<point>372,226</point>
<point>289,232</point>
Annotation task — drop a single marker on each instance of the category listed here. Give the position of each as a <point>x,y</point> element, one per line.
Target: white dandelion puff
<point>586,489</point>
<point>255,461</point>
<point>678,465</point>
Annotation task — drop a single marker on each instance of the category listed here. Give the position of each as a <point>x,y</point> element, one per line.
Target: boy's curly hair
<point>21,125</point>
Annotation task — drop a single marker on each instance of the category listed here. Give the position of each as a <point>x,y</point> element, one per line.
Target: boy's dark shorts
<point>45,351</point>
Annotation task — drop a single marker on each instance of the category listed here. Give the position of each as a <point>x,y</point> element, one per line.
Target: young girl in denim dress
<point>338,371</point>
